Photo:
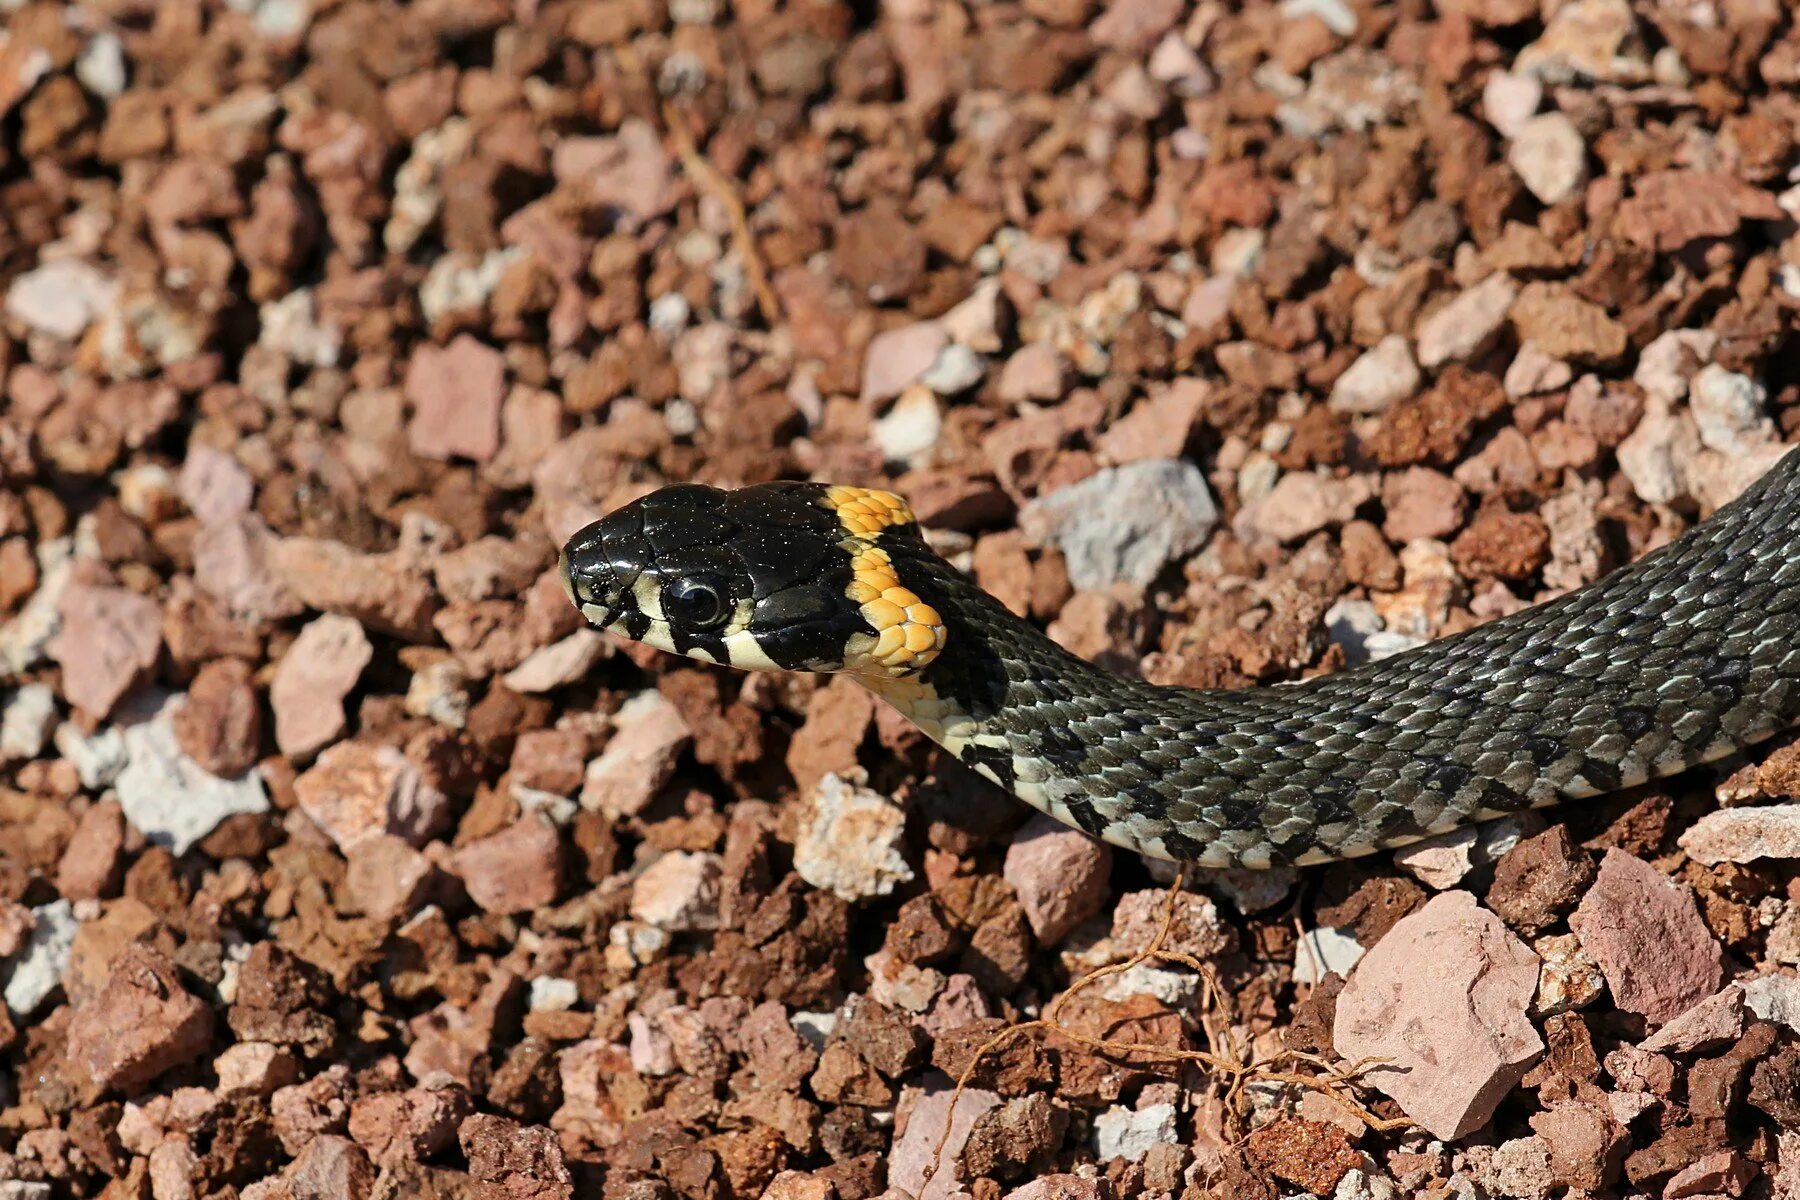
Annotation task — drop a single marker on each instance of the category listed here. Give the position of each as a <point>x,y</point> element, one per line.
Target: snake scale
<point>1684,656</point>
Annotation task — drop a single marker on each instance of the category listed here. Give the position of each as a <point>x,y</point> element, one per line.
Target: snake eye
<point>695,603</point>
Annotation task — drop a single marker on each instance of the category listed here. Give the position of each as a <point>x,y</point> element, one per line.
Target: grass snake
<point>1678,659</point>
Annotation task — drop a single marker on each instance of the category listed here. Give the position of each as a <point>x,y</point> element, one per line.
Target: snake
<point>1687,655</point>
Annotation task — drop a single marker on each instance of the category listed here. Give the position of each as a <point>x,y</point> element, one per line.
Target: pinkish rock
<point>1034,372</point>
<point>1742,835</point>
<point>1443,997</point>
<point>255,1069</point>
<point>1301,503</point>
<point>16,924</point>
<point>454,1040</point>
<point>386,877</point>
<point>410,1126</point>
<point>558,664</point>
<point>916,1149</point>
<point>456,394</point>
<point>142,1022</point>
<point>234,562</point>
<point>331,1168</point>
<point>1060,875</point>
<point>1466,325</point>
<point>1721,1173</point>
<point>1134,26</point>
<point>385,592</point>
<point>649,735</point>
<point>516,870</point>
<point>1421,503</point>
<point>896,359</point>
<point>214,485</point>
<point>630,173</point>
<point>357,790</point>
<point>108,641</point>
<point>313,678</point>
<point>1658,956</point>
<point>1719,1018</point>
<point>679,891</point>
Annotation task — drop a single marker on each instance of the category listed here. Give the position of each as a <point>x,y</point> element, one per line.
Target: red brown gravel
<point>323,325</point>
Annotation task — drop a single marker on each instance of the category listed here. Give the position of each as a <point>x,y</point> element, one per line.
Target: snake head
<point>779,576</point>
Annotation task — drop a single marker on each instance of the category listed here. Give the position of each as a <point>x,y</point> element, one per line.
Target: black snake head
<point>779,576</point>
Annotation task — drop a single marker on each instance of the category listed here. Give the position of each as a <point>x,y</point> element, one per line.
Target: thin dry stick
<point>707,176</point>
<point>713,180</point>
<point>1240,1073</point>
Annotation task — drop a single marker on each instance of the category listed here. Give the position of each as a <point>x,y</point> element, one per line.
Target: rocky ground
<point>1233,343</point>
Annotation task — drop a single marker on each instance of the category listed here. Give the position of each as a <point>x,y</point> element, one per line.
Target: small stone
<point>1060,875</point>
<point>142,1023</point>
<point>1658,955</point>
<point>1250,891</point>
<point>898,358</point>
<point>456,393</point>
<point>1719,1018</point>
<point>678,892</point>
<point>1508,100</point>
<point>1533,372</point>
<point>911,427</point>
<point>214,485</point>
<point>1125,524</point>
<point>1539,880</point>
<point>255,1069</point>
<point>956,369</point>
<point>559,664</point>
<point>915,1152</point>
<point>1743,835</point>
<point>1034,372</point>
<point>1466,325</point>
<point>92,865</point>
<point>1550,156</point>
<point>516,870</point>
<point>1302,503</point>
<point>318,671</point>
<point>331,1168</point>
<point>1384,375</point>
<point>37,970</point>
<point>386,876</point>
<point>411,1126</point>
<point>219,725</point>
<point>1197,929</point>
<point>649,735</point>
<point>1774,998</point>
<point>1326,951</point>
<point>61,298</point>
<point>851,840</point>
<point>1669,363</point>
<point>1129,1134</point>
<point>1721,1173</point>
<point>1587,39</point>
<point>1729,411</point>
<point>1421,503</point>
<point>1569,980</point>
<point>27,720</point>
<point>171,799</point>
<point>1443,997</point>
<point>1564,325</point>
<point>520,1162</point>
<point>108,641</point>
<point>1309,1154</point>
<point>357,790</point>
<point>387,593</point>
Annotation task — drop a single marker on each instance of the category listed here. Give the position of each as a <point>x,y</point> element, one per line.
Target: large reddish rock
<point>142,1022</point>
<point>1657,954</point>
<point>516,870</point>
<point>1443,999</point>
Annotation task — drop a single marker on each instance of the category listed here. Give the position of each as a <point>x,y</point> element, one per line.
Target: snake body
<point>1678,659</point>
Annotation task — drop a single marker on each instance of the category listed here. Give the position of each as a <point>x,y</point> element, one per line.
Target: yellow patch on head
<point>909,633</point>
<point>865,512</point>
